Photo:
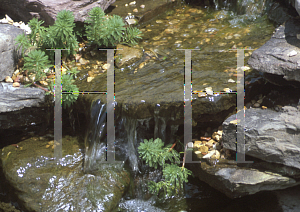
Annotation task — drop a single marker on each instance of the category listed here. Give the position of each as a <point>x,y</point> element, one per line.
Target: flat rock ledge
<point>12,99</point>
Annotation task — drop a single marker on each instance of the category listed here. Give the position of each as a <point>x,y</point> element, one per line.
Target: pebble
<point>256,105</point>
<point>83,61</point>
<point>292,53</point>
<point>8,79</point>
<point>142,65</point>
<point>203,148</point>
<point>202,94</point>
<point>21,25</point>
<point>105,66</point>
<point>142,6</point>
<point>89,79</point>
<point>131,21</point>
<point>132,3</point>
<point>231,80</point>
<point>169,31</point>
<point>135,10</point>
<point>43,82</point>
<point>16,84</point>
<point>227,89</point>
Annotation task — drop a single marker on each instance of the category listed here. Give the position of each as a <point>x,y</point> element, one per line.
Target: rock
<point>8,79</point>
<point>197,144</point>
<point>127,56</point>
<point>83,61</point>
<point>237,182</point>
<point>47,10</point>
<point>269,135</point>
<point>31,171</point>
<point>89,79</point>
<point>203,148</point>
<point>210,144</point>
<point>9,55</point>
<point>274,56</point>
<point>278,13</point>
<point>12,99</point>
<point>105,66</point>
<point>16,84</point>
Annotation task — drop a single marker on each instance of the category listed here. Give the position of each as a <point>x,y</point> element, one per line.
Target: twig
<point>45,89</point>
<point>184,156</point>
<point>172,146</point>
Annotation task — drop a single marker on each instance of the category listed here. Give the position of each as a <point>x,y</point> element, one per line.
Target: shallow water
<point>212,32</point>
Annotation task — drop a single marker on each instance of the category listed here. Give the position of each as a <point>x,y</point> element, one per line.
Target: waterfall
<point>130,127</point>
<point>95,141</point>
<point>129,132</point>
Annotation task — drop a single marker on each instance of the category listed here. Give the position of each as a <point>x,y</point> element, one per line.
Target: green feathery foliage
<point>36,62</point>
<point>154,154</point>
<point>37,32</point>
<point>67,85</point>
<point>131,36</point>
<point>23,42</point>
<point>61,34</point>
<point>109,30</point>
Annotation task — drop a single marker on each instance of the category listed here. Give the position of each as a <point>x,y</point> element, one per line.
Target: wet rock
<point>47,10</point>
<point>274,56</point>
<point>270,136</point>
<point>44,185</point>
<point>127,56</point>
<point>237,182</point>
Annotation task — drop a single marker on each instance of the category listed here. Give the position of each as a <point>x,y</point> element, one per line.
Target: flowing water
<point>214,33</point>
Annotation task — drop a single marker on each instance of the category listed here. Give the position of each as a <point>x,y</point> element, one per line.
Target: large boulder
<point>236,181</point>
<point>269,135</point>
<point>281,54</point>
<point>43,184</point>
<point>47,10</point>
<point>8,50</point>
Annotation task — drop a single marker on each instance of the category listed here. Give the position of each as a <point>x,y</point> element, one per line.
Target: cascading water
<point>95,140</point>
<point>129,133</point>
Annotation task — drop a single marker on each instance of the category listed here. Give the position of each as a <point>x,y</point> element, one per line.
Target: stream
<point>156,82</point>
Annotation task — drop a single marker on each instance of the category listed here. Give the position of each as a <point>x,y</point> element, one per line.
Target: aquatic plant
<point>104,30</point>
<point>61,34</point>
<point>154,154</point>
<point>36,62</point>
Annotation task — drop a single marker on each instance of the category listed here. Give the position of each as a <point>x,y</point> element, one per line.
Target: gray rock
<point>275,56</point>
<point>12,99</point>
<point>8,50</point>
<point>278,13</point>
<point>270,136</point>
<point>46,10</point>
<point>235,181</point>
